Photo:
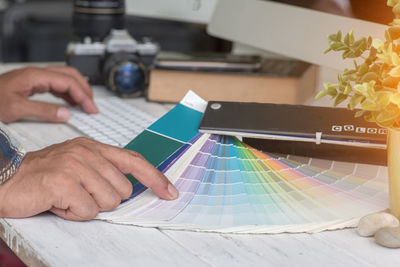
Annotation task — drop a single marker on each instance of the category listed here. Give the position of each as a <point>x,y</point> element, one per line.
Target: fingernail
<point>172,191</point>
<point>63,114</point>
<point>90,107</point>
<point>94,108</point>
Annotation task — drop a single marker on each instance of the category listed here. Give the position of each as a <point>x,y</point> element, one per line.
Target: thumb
<point>45,111</point>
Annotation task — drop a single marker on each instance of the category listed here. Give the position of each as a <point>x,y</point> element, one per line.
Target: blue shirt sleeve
<point>11,154</point>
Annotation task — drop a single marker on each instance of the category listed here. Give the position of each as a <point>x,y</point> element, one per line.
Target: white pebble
<point>388,237</point>
<point>370,224</point>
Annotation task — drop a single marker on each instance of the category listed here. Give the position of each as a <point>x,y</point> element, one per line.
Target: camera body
<point>119,62</point>
<point>105,53</point>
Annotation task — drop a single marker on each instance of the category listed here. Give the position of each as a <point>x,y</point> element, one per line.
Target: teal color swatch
<point>180,123</point>
<point>164,137</point>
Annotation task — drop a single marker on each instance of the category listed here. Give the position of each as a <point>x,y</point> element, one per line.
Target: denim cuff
<point>11,154</point>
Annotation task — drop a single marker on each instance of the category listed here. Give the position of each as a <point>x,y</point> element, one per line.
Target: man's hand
<point>76,180</point>
<point>65,82</point>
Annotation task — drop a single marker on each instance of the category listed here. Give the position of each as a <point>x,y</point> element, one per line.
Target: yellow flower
<point>395,99</point>
<point>386,54</point>
<point>392,3</point>
<point>395,72</point>
<point>366,89</point>
<point>378,44</point>
<point>395,59</point>
<point>395,22</point>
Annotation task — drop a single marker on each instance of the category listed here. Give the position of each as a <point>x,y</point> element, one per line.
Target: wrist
<point>3,205</point>
<point>8,195</point>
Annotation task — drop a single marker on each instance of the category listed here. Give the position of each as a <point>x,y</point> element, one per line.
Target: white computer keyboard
<point>117,122</point>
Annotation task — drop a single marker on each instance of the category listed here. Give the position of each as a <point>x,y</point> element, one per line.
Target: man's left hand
<point>66,82</point>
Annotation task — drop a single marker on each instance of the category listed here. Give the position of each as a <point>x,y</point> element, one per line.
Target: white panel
<point>197,11</point>
<point>291,31</point>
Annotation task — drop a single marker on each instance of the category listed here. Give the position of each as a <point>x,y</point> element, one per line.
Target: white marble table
<point>47,240</point>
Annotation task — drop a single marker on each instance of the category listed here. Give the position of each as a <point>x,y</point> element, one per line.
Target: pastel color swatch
<point>228,186</point>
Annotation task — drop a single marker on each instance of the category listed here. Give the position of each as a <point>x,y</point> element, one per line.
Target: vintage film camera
<point>104,52</point>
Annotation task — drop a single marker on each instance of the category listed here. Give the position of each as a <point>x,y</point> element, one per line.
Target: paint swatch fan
<point>228,186</point>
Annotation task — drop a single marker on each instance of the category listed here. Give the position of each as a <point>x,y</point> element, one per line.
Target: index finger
<point>63,83</point>
<point>75,74</point>
<point>131,162</point>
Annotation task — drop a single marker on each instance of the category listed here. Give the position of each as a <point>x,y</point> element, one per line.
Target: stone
<point>388,237</point>
<point>370,224</point>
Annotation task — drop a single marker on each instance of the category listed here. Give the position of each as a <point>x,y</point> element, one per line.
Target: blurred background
<point>38,31</point>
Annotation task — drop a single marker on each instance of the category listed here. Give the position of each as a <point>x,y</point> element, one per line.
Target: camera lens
<point>126,75</point>
<point>96,18</point>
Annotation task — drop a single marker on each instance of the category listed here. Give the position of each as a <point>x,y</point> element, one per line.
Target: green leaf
<point>337,46</point>
<point>351,34</point>
<point>360,113</point>
<point>370,117</point>
<point>369,76</point>
<point>363,69</point>
<point>331,91</point>
<point>330,85</point>
<point>360,43</point>
<point>339,36</point>
<point>369,104</point>
<point>348,72</point>
<point>366,89</point>
<point>374,85</point>
<point>387,36</point>
<point>347,39</point>
<point>339,77</point>
<point>332,37</point>
<point>347,54</point>
<point>360,48</point>
<point>339,99</point>
<point>321,94</point>
<point>355,100</point>
<point>347,90</point>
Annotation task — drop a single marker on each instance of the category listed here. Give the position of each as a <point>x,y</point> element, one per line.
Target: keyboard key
<point>117,122</point>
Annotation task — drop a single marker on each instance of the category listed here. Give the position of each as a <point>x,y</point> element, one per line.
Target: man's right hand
<point>76,180</point>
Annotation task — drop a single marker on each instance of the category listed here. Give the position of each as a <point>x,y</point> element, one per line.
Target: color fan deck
<point>228,186</point>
